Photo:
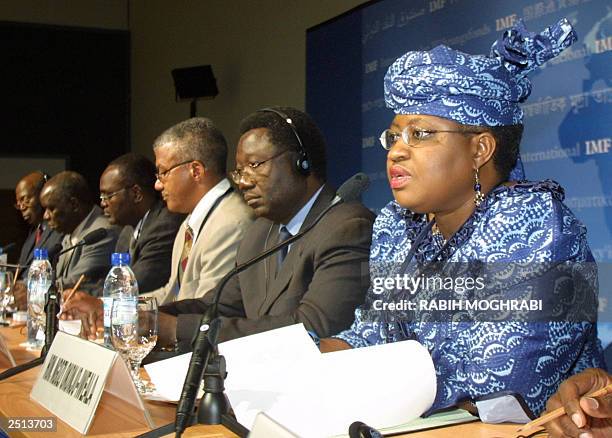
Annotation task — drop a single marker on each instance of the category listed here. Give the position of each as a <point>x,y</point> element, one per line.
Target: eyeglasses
<point>237,174</point>
<point>414,137</point>
<point>161,176</point>
<point>105,197</point>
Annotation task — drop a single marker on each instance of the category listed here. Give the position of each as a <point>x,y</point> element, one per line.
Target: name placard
<point>75,375</point>
<point>6,352</point>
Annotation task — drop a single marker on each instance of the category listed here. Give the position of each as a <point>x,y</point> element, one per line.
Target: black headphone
<point>302,163</point>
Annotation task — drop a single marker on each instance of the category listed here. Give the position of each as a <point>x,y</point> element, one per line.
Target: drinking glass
<point>7,300</point>
<point>134,333</point>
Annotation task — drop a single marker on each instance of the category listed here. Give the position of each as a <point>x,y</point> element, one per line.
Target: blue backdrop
<point>568,117</point>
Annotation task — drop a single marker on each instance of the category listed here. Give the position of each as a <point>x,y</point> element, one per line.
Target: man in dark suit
<point>129,198</point>
<point>280,167</point>
<point>70,210</point>
<point>41,234</point>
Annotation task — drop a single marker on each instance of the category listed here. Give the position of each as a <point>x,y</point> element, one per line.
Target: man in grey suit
<point>280,167</point>
<point>128,198</point>
<point>41,235</point>
<point>70,210</point>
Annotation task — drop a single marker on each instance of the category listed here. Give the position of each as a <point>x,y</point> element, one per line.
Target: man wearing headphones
<point>319,279</point>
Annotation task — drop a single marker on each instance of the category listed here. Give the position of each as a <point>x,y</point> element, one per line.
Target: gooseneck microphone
<point>205,341</point>
<point>88,239</point>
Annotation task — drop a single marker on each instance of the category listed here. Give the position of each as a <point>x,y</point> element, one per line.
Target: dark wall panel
<point>65,91</point>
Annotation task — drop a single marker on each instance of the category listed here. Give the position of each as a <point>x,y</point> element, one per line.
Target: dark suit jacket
<point>49,239</point>
<point>151,254</point>
<point>323,279</point>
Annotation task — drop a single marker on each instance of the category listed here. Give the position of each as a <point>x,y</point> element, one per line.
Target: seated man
<point>70,210</point>
<point>128,197</point>
<point>320,279</point>
<point>41,235</point>
<point>191,159</point>
<point>453,156</point>
<point>280,167</point>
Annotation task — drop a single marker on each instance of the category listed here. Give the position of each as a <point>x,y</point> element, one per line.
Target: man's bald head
<point>67,200</point>
<point>27,194</point>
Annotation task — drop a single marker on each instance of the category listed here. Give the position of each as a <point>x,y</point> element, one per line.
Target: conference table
<point>110,422</point>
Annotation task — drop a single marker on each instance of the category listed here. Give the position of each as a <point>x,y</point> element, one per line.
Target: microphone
<point>88,239</point>
<point>54,251</point>
<point>362,430</point>
<point>352,188</point>
<point>51,326</point>
<point>204,344</point>
<point>94,236</point>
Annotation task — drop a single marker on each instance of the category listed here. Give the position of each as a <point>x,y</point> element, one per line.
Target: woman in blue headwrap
<point>459,212</point>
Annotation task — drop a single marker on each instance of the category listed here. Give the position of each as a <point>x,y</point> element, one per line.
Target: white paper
<point>282,373</point>
<point>72,327</point>
<point>168,377</point>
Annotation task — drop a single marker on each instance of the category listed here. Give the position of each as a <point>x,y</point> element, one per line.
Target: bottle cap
<point>120,258</point>
<point>41,254</point>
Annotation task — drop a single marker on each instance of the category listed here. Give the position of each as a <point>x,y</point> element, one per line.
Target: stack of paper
<point>282,373</point>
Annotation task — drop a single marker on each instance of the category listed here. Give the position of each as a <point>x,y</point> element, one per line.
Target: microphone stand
<point>214,407</point>
<point>51,310</point>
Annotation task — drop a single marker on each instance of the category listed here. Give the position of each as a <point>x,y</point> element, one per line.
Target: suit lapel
<point>45,235</point>
<point>148,223</point>
<point>276,286</point>
<point>64,263</point>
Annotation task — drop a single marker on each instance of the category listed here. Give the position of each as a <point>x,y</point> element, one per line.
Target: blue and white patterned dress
<point>526,224</point>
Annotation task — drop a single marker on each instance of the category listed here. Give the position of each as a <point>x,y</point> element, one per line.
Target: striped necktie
<point>186,250</point>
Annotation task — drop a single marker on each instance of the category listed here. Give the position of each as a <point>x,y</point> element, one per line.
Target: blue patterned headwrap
<point>475,89</point>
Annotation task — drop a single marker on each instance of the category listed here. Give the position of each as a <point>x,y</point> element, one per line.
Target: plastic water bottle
<point>39,279</point>
<point>120,283</point>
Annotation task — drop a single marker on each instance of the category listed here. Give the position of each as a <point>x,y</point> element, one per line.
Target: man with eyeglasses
<point>319,279</point>
<point>70,210</point>
<point>129,199</point>
<point>191,158</point>
<point>41,235</point>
